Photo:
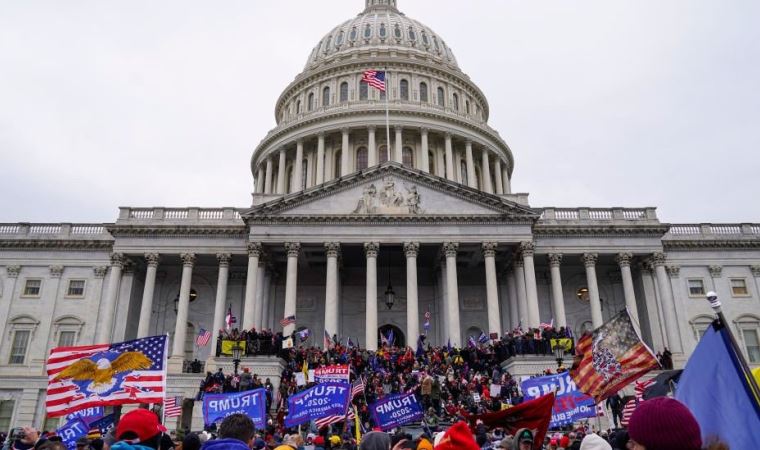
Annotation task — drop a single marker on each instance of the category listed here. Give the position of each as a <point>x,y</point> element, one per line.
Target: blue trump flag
<point>73,430</point>
<point>322,400</point>
<point>570,404</point>
<point>716,391</point>
<point>395,411</point>
<point>251,403</point>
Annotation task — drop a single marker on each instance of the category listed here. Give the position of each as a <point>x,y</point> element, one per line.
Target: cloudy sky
<point>143,103</point>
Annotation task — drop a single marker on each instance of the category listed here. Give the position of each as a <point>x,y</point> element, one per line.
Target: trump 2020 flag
<point>716,391</point>
<point>611,356</point>
<point>106,374</point>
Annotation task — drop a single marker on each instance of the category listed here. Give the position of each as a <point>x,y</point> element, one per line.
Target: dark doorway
<point>398,336</point>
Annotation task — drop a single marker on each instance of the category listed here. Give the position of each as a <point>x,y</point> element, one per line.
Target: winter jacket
<point>225,444</point>
<point>122,445</point>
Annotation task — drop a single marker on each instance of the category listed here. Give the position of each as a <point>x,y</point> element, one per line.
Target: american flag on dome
<point>107,374</point>
<point>173,407</point>
<point>203,337</point>
<point>374,78</point>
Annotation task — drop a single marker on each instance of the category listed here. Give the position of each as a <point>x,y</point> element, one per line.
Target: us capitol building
<point>354,229</point>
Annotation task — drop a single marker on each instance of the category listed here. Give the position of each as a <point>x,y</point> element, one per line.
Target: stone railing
<point>54,230</point>
<point>584,215</point>
<point>225,215</point>
<point>715,230</point>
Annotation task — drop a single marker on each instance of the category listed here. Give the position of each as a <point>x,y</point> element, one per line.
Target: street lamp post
<point>559,355</point>
<point>237,351</point>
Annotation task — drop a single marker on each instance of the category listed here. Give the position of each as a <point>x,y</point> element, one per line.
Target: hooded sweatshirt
<point>516,441</point>
<point>123,445</point>
<point>225,444</point>
<point>375,440</point>
<point>594,442</point>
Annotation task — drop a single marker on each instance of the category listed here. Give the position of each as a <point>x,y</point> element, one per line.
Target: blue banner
<point>251,403</point>
<point>322,400</point>
<point>73,430</point>
<point>88,414</point>
<point>570,404</point>
<point>395,411</point>
<point>104,423</point>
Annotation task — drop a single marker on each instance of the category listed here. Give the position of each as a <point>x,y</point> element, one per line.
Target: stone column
<point>716,272</point>
<point>183,308</point>
<point>258,309</point>
<point>249,306</point>
<point>109,302</point>
<point>291,284</point>
<point>282,186</point>
<point>298,184</point>
<point>624,261</point>
<point>425,156</point>
<point>452,292</point>
<point>531,291</point>
<point>259,180</point>
<point>449,158</point>
<point>589,261</point>
<point>371,249</point>
<point>411,249</point>
<point>505,179</point>
<point>146,309</point>
<point>668,303</point>
<point>514,312</point>
<point>268,177</point>
<point>522,295</point>
<point>485,168</point>
<point>320,158</point>
<point>558,299</point>
<point>344,154</point>
<point>332,250</point>
<point>221,299</point>
<point>371,147</point>
<point>497,175</point>
<point>492,294</point>
<point>472,180</point>
<point>756,274</point>
<point>398,146</point>
<point>9,290</point>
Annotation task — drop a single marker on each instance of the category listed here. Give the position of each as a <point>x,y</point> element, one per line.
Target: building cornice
<point>69,244</point>
<point>599,230</point>
<point>452,219</point>
<point>178,230</point>
<point>711,244</point>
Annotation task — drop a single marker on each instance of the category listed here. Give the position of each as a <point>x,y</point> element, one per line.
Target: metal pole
<point>387,118</point>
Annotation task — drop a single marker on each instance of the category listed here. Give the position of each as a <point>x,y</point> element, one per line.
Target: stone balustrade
<point>690,231</point>
<point>54,230</point>
<point>225,215</point>
<point>614,216</point>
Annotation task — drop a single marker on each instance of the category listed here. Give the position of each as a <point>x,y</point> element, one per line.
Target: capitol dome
<point>432,117</point>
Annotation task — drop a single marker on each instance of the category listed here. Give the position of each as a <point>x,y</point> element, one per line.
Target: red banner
<point>339,372</point>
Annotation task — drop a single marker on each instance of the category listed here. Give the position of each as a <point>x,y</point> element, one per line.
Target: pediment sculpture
<point>388,200</point>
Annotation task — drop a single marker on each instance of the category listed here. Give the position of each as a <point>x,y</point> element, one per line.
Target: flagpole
<point>387,117</point>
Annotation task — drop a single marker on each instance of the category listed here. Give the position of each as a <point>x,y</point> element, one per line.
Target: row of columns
<point>265,171</point>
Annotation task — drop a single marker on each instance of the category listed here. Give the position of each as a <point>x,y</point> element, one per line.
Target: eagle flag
<point>610,357</point>
<point>106,374</point>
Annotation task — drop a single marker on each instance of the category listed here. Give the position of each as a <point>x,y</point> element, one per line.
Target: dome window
<point>467,106</point>
<point>327,43</point>
<point>441,97</point>
<point>423,92</point>
<point>339,39</point>
<point>383,31</point>
<point>361,158</point>
<point>407,157</point>
<point>412,34</point>
<point>425,39</point>
<point>397,31</point>
<point>435,43</point>
<point>367,31</point>
<point>298,107</point>
<point>310,102</point>
<point>363,91</point>
<point>343,92</point>
<point>455,102</point>
<point>352,35</point>
<point>326,96</point>
<point>403,89</point>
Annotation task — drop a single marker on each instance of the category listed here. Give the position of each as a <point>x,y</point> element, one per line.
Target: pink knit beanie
<point>663,423</point>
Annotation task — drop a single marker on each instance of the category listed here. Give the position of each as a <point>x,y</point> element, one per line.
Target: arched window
<point>304,172</point>
<point>412,34</point>
<point>361,158</point>
<point>327,43</point>
<point>22,329</point>
<point>435,43</point>
<point>382,95</point>
<point>67,329</point>
<point>382,153</point>
<point>383,31</point>
<point>397,32</point>
<point>407,157</point>
<point>423,92</point>
<point>467,106</point>
<point>368,31</point>
<point>404,90</point>
<point>326,96</point>
<point>352,34</point>
<point>431,162</point>
<point>425,39</point>
<point>336,165</point>
<point>748,326</point>
<point>339,38</point>
<point>363,91</point>
<point>310,102</point>
<point>463,172</point>
<point>343,92</point>
<point>455,102</point>
<point>441,97</point>
<point>298,107</point>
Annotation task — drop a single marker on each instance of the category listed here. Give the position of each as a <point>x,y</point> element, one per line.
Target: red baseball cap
<point>140,421</point>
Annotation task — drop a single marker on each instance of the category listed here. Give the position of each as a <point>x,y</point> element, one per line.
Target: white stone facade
<point>433,216</point>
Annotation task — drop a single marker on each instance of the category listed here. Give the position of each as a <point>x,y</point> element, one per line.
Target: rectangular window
<point>51,423</point>
<point>67,338</point>
<point>6,414</point>
<point>32,288</point>
<point>76,288</point>
<point>752,342</point>
<point>696,287</point>
<point>18,348</point>
<point>739,287</point>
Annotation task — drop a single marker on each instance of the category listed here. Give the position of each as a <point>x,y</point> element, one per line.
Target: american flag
<point>290,320</point>
<point>230,320</point>
<point>611,357</point>
<point>327,341</point>
<point>426,325</point>
<point>329,420</point>
<point>357,388</point>
<point>173,407</point>
<point>630,407</point>
<point>203,337</point>
<point>374,78</point>
<point>107,374</point>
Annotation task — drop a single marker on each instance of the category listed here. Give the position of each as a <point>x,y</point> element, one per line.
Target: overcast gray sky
<point>604,103</point>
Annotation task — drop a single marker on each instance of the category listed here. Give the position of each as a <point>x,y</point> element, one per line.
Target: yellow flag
<point>357,425</point>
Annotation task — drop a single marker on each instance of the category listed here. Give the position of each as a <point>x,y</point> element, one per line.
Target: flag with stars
<point>107,374</point>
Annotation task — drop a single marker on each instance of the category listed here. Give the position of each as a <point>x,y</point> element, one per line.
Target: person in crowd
<point>663,423</point>
<point>235,433</point>
<point>594,441</point>
<point>523,440</point>
<point>139,429</point>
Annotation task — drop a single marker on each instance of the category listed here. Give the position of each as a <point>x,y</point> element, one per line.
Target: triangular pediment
<point>391,190</point>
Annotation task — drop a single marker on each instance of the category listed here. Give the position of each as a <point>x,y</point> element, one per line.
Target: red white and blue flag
<point>107,374</point>
<point>203,337</point>
<point>289,320</point>
<point>230,319</point>
<point>374,78</point>
<point>173,407</point>
<point>327,342</point>
<point>426,325</point>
